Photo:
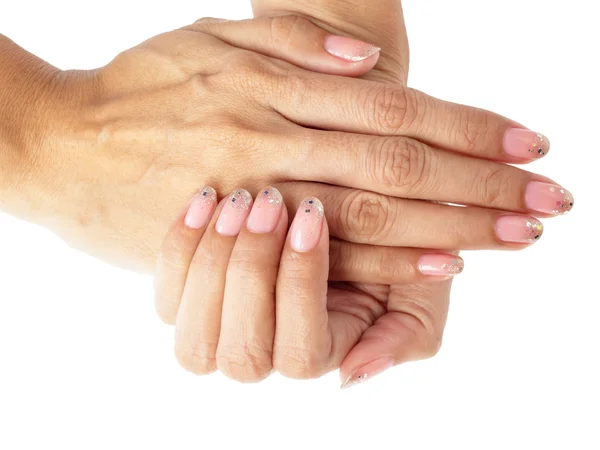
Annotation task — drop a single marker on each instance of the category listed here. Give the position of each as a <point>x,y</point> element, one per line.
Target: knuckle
<point>246,363</point>
<point>197,358</point>
<point>365,215</point>
<point>196,86</point>
<point>473,129</point>
<point>394,109</point>
<point>245,262</point>
<point>492,186</point>
<point>300,363</point>
<point>402,164</point>
<point>285,28</point>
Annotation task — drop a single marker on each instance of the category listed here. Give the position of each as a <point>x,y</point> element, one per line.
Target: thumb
<point>411,330</point>
<point>295,40</point>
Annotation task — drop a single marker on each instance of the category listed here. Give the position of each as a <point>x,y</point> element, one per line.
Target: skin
<point>63,134</point>
<point>402,317</point>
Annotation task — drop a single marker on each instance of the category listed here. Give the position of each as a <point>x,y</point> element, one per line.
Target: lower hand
<point>253,300</point>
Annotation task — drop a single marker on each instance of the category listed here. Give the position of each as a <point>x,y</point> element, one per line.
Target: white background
<point>85,364</point>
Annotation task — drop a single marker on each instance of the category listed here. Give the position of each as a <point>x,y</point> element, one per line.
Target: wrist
<point>36,105</point>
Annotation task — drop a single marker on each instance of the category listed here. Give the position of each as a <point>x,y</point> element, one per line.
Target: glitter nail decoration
<point>313,205</point>
<point>454,268</point>
<point>540,146</point>
<point>241,199</point>
<point>269,196</point>
<point>565,203</point>
<point>208,194</point>
<point>533,230</point>
<point>368,371</point>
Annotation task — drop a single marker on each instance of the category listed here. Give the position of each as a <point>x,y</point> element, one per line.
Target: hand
<point>252,300</point>
<point>132,140</point>
<point>415,321</point>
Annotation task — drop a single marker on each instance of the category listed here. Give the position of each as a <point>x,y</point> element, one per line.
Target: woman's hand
<point>132,140</point>
<point>252,300</point>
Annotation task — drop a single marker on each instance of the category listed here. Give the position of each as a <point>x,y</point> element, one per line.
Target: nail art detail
<point>440,265</point>
<point>548,198</point>
<point>348,49</point>
<point>266,211</point>
<point>201,208</point>
<point>234,213</point>
<point>305,231</point>
<point>368,371</point>
<point>519,229</point>
<point>525,144</point>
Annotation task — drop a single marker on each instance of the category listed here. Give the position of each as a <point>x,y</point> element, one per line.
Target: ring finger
<point>245,345</point>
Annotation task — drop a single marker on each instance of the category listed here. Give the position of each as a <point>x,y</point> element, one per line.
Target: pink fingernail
<point>201,208</point>
<point>234,213</point>
<point>266,211</point>
<point>525,144</point>
<point>548,198</point>
<point>439,265</point>
<point>519,229</point>
<point>305,231</point>
<point>348,49</point>
<point>368,371</point>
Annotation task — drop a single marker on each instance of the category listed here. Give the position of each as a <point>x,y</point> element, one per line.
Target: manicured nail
<point>266,211</point>
<point>348,49</point>
<point>525,144</point>
<point>548,198</point>
<point>201,208</point>
<point>305,231</point>
<point>439,265</point>
<point>519,229</point>
<point>234,213</point>
<point>368,371</point>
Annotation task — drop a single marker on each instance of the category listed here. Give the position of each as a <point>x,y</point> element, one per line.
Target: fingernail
<point>525,144</point>
<point>440,265</point>
<point>368,371</point>
<point>348,49</point>
<point>266,211</point>
<point>201,208</point>
<point>548,198</point>
<point>234,213</point>
<point>519,229</point>
<point>305,231</point>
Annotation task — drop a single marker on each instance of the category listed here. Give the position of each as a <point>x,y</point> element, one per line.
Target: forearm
<point>378,22</point>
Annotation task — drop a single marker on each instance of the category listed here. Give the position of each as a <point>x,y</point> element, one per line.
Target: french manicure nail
<point>306,228</point>
<point>525,144</point>
<point>348,49</point>
<point>201,208</point>
<point>548,198</point>
<point>266,211</point>
<point>234,213</point>
<point>368,371</point>
<point>519,229</point>
<point>440,265</point>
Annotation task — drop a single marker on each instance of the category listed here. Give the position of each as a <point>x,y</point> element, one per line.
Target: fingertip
<point>307,227</point>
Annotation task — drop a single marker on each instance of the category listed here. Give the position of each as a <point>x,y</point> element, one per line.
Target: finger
<point>177,251</point>
<point>199,318</point>
<point>411,330</point>
<point>245,345</point>
<point>296,40</point>
<point>363,106</point>
<point>368,218</point>
<point>405,167</point>
<point>386,265</point>
<point>303,341</point>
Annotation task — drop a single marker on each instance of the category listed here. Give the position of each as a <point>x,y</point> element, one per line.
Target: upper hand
<point>187,108</point>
